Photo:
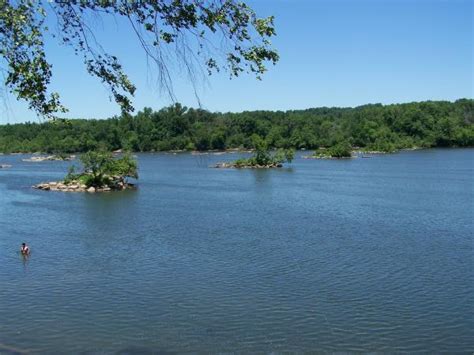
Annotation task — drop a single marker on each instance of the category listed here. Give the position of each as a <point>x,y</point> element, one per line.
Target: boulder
<point>91,189</point>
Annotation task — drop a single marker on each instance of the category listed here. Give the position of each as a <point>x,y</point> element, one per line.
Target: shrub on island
<point>339,151</point>
<point>263,157</point>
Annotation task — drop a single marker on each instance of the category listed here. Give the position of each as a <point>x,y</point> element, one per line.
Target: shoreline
<point>218,152</point>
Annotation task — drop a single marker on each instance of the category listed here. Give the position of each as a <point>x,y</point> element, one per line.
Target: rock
<point>224,165</point>
<point>36,159</point>
<point>91,189</point>
<point>45,187</point>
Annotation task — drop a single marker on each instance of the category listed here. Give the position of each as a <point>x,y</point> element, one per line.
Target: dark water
<point>361,255</point>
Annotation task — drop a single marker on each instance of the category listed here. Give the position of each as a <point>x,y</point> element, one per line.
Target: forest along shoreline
<point>374,128</point>
<point>37,157</point>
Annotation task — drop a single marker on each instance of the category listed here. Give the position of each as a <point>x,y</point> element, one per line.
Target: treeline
<point>374,127</point>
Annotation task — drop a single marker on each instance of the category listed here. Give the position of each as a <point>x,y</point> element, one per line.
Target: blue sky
<point>333,53</point>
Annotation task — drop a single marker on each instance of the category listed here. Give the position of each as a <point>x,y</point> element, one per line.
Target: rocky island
<point>263,158</point>
<point>101,173</point>
<point>338,151</point>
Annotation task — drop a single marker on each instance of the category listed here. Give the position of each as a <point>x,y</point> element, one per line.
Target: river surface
<point>369,255</point>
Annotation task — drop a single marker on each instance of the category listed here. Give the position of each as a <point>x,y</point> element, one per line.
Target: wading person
<point>25,249</point>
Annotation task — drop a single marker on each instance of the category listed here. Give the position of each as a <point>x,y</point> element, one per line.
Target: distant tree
<point>218,140</point>
<point>210,35</point>
<point>262,154</point>
<point>96,165</point>
<point>284,156</point>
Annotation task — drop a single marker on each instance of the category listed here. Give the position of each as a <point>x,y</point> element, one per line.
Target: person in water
<point>25,249</point>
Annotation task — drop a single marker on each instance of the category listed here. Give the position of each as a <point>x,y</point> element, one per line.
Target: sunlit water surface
<point>353,255</point>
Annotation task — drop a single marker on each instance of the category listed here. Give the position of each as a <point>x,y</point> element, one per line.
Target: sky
<point>332,53</point>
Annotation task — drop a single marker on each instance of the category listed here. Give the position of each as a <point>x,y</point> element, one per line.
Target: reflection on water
<point>24,259</point>
<point>336,256</point>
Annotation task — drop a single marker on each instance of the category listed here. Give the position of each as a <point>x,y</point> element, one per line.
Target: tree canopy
<point>374,127</point>
<point>212,35</point>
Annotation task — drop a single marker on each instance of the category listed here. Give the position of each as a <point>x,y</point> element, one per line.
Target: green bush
<point>284,155</point>
<point>340,150</point>
<point>71,175</point>
<point>382,146</point>
<point>263,156</point>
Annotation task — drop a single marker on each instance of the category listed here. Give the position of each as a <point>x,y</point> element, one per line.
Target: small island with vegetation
<point>263,158</point>
<point>101,172</point>
<point>339,151</point>
<point>344,150</point>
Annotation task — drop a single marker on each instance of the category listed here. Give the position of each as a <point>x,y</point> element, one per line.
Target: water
<point>360,255</point>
